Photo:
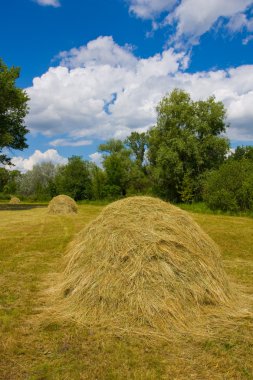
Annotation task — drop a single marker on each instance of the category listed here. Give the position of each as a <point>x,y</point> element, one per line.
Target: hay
<point>62,204</point>
<point>141,265</point>
<point>14,201</point>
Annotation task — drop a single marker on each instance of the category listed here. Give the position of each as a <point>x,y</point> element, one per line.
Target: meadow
<point>32,246</point>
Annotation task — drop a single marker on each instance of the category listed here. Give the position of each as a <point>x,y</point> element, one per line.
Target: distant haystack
<point>142,264</point>
<point>14,201</point>
<point>62,204</point>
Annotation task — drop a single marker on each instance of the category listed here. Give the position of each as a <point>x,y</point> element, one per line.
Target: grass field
<point>32,245</point>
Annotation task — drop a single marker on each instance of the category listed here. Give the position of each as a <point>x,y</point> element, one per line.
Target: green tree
<point>137,142</point>
<point>38,183</point>
<point>74,179</point>
<point>185,143</point>
<point>4,177</point>
<point>11,185</point>
<point>230,188</point>
<point>117,164</point>
<point>13,109</point>
<point>98,182</point>
<point>242,152</point>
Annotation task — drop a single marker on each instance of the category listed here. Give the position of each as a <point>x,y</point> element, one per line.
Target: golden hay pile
<point>142,264</point>
<point>62,204</point>
<point>14,201</point>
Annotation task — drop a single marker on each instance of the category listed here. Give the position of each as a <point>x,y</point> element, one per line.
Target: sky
<point>96,69</point>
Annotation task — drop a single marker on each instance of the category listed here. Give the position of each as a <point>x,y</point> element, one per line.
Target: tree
<point>185,143</point>
<point>4,178</point>
<point>38,183</point>
<point>98,181</point>
<point>13,109</point>
<point>242,152</point>
<point>74,179</point>
<point>137,142</point>
<point>11,185</point>
<point>230,188</point>
<point>117,164</point>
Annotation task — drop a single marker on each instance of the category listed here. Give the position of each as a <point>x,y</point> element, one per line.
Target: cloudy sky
<point>96,69</point>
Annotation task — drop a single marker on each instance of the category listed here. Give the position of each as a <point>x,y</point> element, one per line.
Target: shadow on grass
<point>11,207</point>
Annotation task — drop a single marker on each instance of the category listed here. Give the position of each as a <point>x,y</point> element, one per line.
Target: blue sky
<point>96,69</point>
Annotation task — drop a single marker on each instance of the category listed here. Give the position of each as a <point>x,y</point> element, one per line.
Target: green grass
<point>32,245</point>
<point>201,207</point>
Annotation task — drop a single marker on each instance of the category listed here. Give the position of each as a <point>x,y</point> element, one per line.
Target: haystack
<point>14,201</point>
<point>62,204</point>
<point>142,264</point>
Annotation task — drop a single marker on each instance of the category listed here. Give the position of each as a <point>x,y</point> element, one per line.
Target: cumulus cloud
<point>193,18</point>
<point>149,9</point>
<point>25,164</point>
<point>97,158</point>
<point>110,92</point>
<point>105,96</point>
<point>102,51</point>
<point>53,3</point>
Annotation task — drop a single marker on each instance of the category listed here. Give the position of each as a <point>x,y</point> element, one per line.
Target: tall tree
<point>185,142</point>
<point>74,179</point>
<point>137,142</point>
<point>13,109</point>
<point>117,164</point>
<point>98,181</point>
<point>38,183</point>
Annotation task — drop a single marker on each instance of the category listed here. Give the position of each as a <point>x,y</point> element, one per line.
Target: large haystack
<point>14,201</point>
<point>62,204</point>
<point>142,264</point>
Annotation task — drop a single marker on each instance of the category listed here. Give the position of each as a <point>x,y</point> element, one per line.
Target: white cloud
<point>97,158</point>
<point>239,22</point>
<point>102,51</point>
<point>247,39</point>
<point>53,3</point>
<point>149,9</point>
<point>193,18</point>
<point>25,164</point>
<point>67,142</point>
<point>110,96</point>
<point>106,96</point>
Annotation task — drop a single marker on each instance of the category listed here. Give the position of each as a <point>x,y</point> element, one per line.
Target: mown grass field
<point>32,246</point>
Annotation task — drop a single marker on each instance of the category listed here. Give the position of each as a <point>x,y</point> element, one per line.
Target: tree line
<point>184,157</point>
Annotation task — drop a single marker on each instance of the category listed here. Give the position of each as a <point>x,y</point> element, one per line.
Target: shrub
<point>230,188</point>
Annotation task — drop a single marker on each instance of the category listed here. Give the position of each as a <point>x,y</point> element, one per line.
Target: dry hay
<point>62,204</point>
<point>14,201</point>
<point>143,266</point>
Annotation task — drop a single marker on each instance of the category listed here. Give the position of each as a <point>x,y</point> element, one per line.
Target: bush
<point>4,197</point>
<point>230,188</point>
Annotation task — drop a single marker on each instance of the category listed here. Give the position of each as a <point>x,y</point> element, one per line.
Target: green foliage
<point>8,180</point>
<point>117,164</point>
<point>13,109</point>
<point>242,152</point>
<point>75,179</point>
<point>137,142</point>
<point>4,177</point>
<point>98,182</point>
<point>38,183</point>
<point>4,197</point>
<point>185,143</point>
<point>230,188</point>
